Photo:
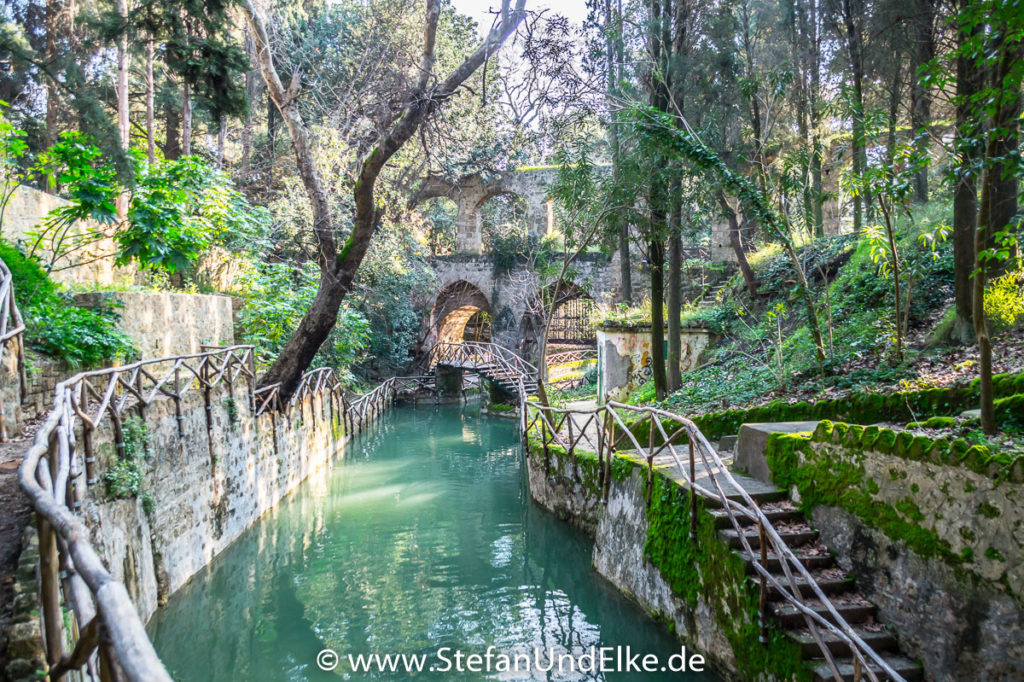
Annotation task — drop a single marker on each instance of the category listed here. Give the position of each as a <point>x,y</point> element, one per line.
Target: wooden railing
<point>109,640</point>
<point>570,356</point>
<point>603,430</point>
<point>107,637</point>
<point>12,329</point>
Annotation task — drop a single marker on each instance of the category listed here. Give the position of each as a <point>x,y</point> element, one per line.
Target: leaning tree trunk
<point>736,242</point>
<point>338,267</point>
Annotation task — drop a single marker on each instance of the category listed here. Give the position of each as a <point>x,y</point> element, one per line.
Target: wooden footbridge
<point>490,361</point>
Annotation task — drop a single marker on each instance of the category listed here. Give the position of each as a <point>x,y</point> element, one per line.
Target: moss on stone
<point>706,568</point>
<point>841,482</point>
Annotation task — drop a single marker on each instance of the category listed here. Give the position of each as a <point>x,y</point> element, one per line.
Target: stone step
<point>810,561</point>
<point>790,617</point>
<point>904,667</point>
<point>773,515</point>
<point>793,538</point>
<point>874,635</point>
<point>761,497</point>
<point>829,584</point>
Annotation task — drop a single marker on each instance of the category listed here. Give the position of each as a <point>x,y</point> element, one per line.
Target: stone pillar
<point>468,238</point>
<point>539,217</point>
<point>495,393</point>
<point>449,382</point>
<point>721,247</point>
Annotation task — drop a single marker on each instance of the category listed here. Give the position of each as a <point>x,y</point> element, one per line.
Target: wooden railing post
<point>87,447</point>
<point>762,600</point>
<point>204,375</point>
<point>49,575</point>
<point>178,416</point>
<point>693,491</point>
<point>650,459</point>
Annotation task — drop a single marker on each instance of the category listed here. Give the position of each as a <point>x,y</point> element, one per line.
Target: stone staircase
<point>710,297</point>
<point>841,589</point>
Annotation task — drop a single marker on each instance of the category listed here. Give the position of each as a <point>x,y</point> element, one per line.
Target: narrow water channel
<point>423,537</point>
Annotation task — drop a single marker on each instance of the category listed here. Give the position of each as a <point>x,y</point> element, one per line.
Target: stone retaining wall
<point>10,387</point>
<point>167,324</point>
<point>936,545</point>
<point>961,629</point>
<point>206,488</point>
<point>699,590</point>
<point>26,655</point>
<point>92,266</point>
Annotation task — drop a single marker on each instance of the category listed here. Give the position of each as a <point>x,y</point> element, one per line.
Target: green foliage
<point>510,248</point>
<point>933,423</point>
<point>389,289</point>
<point>277,297</point>
<point>81,337</point>
<point>1004,299</point>
<point>126,477</point>
<point>56,327</point>
<point>13,149</point>
<point>775,272</point>
<point>628,315</point>
<point>32,286</point>
<point>858,407</point>
<point>178,209</point>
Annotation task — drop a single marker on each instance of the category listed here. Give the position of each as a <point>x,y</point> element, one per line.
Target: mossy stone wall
<point>698,588</point>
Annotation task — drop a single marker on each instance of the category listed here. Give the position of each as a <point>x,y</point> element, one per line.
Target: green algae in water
<point>423,537</point>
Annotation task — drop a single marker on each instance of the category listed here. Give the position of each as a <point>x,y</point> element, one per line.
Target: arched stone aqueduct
<point>467,280</point>
<point>472,192</point>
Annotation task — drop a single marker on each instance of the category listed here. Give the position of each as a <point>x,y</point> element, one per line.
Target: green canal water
<point>422,538</point>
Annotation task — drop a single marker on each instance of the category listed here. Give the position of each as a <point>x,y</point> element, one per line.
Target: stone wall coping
<point>641,328</point>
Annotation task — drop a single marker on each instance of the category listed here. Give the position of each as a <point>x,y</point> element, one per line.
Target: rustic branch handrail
<point>111,637</point>
<point>470,353</point>
<point>49,474</point>
<point>570,356</point>
<point>12,328</point>
<point>551,423</point>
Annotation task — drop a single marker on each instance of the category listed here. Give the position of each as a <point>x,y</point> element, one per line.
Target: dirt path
<point>14,516</point>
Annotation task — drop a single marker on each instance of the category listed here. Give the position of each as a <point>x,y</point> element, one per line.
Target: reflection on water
<point>423,537</point>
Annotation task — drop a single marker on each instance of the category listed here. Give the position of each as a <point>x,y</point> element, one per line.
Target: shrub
<point>1004,299</point>
<point>126,478</point>
<point>82,338</point>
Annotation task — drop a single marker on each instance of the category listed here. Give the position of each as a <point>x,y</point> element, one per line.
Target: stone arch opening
<point>471,192</point>
<point>503,218</point>
<point>461,308</point>
<point>440,224</point>
<point>574,320</point>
